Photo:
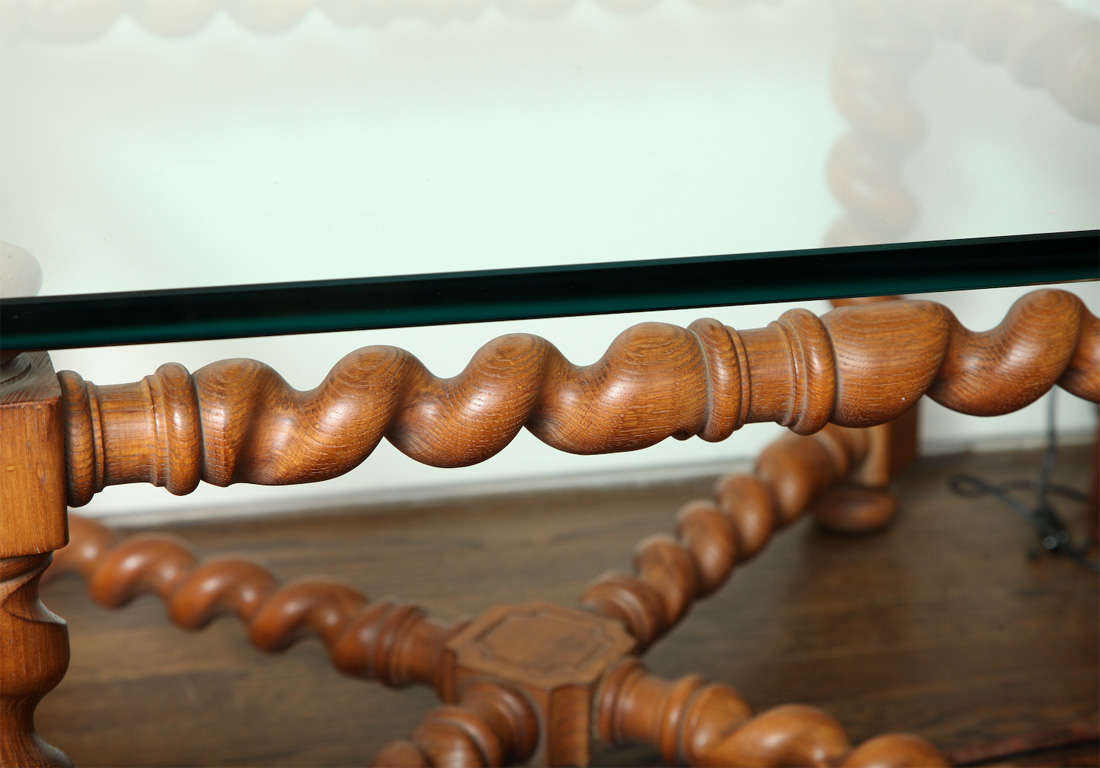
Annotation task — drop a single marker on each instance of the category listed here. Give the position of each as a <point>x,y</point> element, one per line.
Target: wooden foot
<point>863,504</point>
<point>854,509</point>
<point>35,656</point>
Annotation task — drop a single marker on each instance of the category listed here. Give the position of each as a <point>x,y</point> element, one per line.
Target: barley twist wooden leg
<point>34,657</point>
<point>527,682</point>
<point>490,726</point>
<point>34,643</point>
<point>713,536</point>
<point>864,503</point>
<point>395,644</point>
<point>700,724</point>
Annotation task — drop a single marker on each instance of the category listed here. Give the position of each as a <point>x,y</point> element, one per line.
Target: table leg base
<point>35,656</point>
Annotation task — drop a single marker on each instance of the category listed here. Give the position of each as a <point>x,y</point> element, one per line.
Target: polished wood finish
<point>34,643</point>
<point>395,644</point>
<point>864,503</point>
<point>238,421</point>
<point>571,667</point>
<point>893,445</point>
<point>860,365</point>
<point>694,723</point>
<point>554,656</point>
<point>526,682</point>
<point>715,534</point>
<point>489,725</point>
<point>985,646</point>
<point>32,458</point>
<point>878,51</point>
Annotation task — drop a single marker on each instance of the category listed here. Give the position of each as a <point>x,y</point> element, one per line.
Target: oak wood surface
<point>862,365</point>
<point>552,656</point>
<point>34,645</point>
<point>731,526</point>
<point>396,644</point>
<point>556,661</point>
<point>34,653</point>
<point>32,453</point>
<point>939,625</point>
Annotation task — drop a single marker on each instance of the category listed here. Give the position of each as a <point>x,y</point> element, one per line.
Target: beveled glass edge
<point>273,309</point>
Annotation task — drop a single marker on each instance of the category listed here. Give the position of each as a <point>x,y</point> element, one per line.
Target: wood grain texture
<point>35,647</point>
<point>893,445</point>
<point>34,644</point>
<point>713,535</point>
<point>553,657</point>
<point>396,644</point>
<point>238,421</point>
<point>694,723</point>
<point>32,458</point>
<point>556,658</point>
<point>489,725</point>
<point>571,667</point>
<point>862,628</point>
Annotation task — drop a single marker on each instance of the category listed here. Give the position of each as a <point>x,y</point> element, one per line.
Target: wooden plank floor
<point>940,625</point>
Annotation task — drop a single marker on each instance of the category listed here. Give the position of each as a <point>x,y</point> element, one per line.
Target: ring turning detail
<point>395,644</point>
<point>858,366</point>
<point>541,683</point>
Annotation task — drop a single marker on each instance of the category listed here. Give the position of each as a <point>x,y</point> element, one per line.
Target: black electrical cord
<point>1053,535</point>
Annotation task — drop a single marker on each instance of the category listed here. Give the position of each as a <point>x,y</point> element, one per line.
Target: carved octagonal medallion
<point>555,655</point>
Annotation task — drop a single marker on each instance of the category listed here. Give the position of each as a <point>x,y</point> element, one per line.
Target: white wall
<point>133,162</point>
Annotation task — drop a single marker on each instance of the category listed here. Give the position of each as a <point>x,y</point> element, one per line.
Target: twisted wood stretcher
<point>491,722</point>
<point>238,421</point>
<point>536,682</point>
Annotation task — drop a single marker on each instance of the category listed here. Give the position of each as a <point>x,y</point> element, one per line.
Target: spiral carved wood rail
<point>525,682</point>
<point>792,475</point>
<point>396,644</point>
<point>690,721</point>
<point>238,421</point>
<point>695,723</point>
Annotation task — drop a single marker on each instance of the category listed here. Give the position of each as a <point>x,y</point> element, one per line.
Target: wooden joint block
<point>33,512</point>
<point>555,656</point>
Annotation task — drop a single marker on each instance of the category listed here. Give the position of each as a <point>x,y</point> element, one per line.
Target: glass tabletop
<point>270,309</point>
<point>204,146</point>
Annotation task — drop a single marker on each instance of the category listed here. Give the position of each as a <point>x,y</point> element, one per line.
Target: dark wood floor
<point>941,625</point>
